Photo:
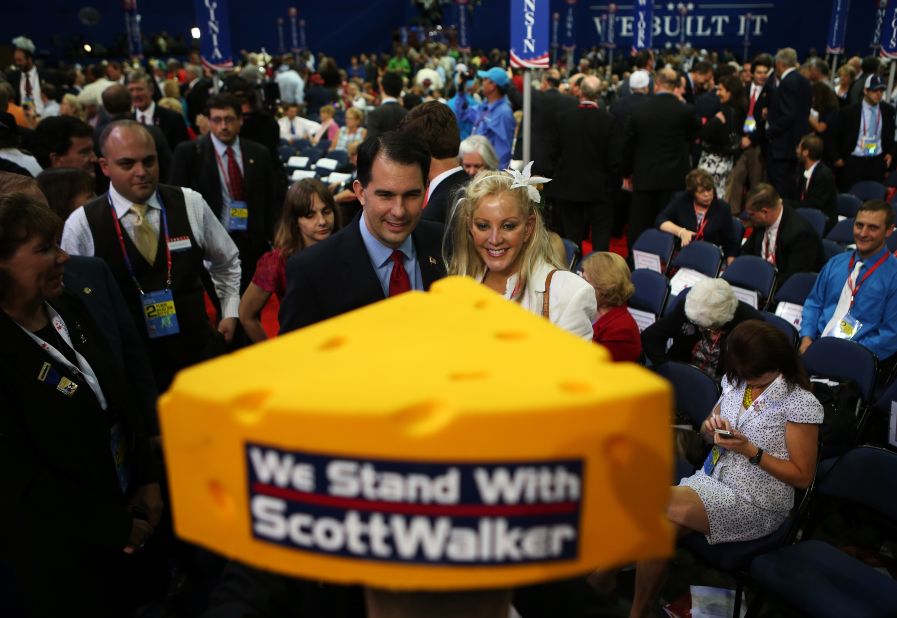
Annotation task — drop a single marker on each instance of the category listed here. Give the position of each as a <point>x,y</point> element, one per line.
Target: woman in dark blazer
<point>697,214</point>
<point>79,485</point>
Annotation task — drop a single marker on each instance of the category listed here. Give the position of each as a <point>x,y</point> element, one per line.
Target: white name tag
<point>179,243</point>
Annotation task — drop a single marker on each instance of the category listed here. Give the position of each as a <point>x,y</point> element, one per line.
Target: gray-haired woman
<point>477,154</point>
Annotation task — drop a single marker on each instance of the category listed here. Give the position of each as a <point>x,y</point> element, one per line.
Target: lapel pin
<point>433,260</point>
<point>251,161</point>
<point>87,290</point>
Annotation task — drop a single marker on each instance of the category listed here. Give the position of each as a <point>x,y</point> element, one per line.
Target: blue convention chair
<point>312,153</point>
<point>752,272</point>
<point>891,241</point>
<point>819,579</point>
<point>842,232</point>
<point>702,256</point>
<point>340,156</point>
<point>656,243</point>
<point>324,145</point>
<point>783,325</point>
<point>301,144</point>
<point>673,301</point>
<point>796,288</point>
<point>286,152</point>
<point>868,190</point>
<point>738,228</point>
<point>651,291</point>
<point>571,252</point>
<point>830,248</point>
<point>848,205</point>
<point>815,218</point>
<point>696,393</point>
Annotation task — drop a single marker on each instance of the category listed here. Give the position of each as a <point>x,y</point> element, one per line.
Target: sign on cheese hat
<point>432,441</point>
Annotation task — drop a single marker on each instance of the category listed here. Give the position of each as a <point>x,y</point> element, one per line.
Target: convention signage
<point>214,42</point>
<point>132,29</point>
<point>889,31</point>
<point>643,24</point>
<point>569,26</point>
<point>529,33</point>
<point>463,28</point>
<point>837,27</point>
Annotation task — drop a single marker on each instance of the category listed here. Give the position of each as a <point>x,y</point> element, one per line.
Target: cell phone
<point>725,433</point>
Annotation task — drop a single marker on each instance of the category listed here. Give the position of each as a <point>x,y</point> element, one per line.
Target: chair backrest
<point>752,273</point>
<point>312,153</point>
<point>285,152</point>
<point>848,205</point>
<point>796,288</point>
<point>324,145</point>
<point>696,393</point>
<point>657,243</point>
<point>842,360</point>
<point>673,301</point>
<point>302,144</point>
<point>738,228</point>
<point>868,190</point>
<point>866,475</point>
<point>815,218</point>
<point>830,248</point>
<point>340,156</point>
<point>702,256</point>
<point>891,241</point>
<point>571,250</point>
<point>783,325</point>
<point>842,232</point>
<point>651,291</point>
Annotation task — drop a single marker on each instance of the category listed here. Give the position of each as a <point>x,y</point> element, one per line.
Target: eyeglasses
<point>223,119</point>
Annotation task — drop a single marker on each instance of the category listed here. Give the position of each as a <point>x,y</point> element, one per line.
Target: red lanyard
<point>124,250</point>
<point>770,255</point>
<point>700,233</point>
<point>854,290</point>
<point>227,182</point>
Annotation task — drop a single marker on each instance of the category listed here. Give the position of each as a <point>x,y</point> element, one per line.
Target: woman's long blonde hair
<point>462,257</point>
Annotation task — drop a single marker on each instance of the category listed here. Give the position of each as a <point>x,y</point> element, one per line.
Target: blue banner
<point>889,34</point>
<point>529,34</point>
<point>214,42</point>
<point>570,26</point>
<point>132,29</point>
<point>838,27</point>
<point>463,28</point>
<point>643,36</point>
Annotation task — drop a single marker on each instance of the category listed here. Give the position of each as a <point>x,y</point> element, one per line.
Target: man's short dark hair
<point>435,123</point>
<point>391,82</point>
<point>723,70</point>
<point>812,143</point>
<point>54,135</point>
<point>879,206</point>
<point>116,100</point>
<point>764,195</point>
<point>701,67</point>
<point>397,146</point>
<point>224,100</point>
<point>871,65</point>
<point>762,60</point>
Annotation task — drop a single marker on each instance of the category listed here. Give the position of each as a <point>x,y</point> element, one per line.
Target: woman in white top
<point>498,238</point>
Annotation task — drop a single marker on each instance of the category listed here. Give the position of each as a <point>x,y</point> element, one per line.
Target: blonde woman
<point>499,239</point>
<point>615,329</point>
<point>71,106</point>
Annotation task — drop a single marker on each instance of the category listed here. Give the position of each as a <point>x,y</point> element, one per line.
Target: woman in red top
<point>615,329</point>
<point>309,216</point>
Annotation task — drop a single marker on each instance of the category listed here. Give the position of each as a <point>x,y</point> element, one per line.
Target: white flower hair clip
<point>524,179</point>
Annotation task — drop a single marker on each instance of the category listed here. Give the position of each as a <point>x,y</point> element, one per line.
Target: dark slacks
<point>782,174</point>
<point>577,217</point>
<point>857,169</point>
<point>646,205</point>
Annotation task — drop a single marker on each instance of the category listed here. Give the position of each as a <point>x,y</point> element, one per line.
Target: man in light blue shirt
<point>290,84</point>
<point>855,295</point>
<point>493,118</point>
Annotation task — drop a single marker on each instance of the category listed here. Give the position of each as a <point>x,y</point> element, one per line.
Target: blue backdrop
<point>343,27</point>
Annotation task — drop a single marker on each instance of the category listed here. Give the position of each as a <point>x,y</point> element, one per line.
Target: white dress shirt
<point>771,238</point>
<point>221,257</point>
<point>146,116</point>
<point>435,182</point>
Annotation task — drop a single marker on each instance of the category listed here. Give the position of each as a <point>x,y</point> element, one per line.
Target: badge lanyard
<point>700,233</point>
<point>124,250</point>
<point>84,369</point>
<point>770,248</point>
<point>227,180</point>
<point>854,290</point>
<point>875,126</point>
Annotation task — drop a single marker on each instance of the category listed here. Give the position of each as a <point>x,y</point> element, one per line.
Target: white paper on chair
<point>791,312</point>
<point>327,164</point>
<point>337,177</point>
<point>644,319</point>
<point>301,162</point>
<point>746,296</point>
<point>684,279</point>
<point>301,174</point>
<point>892,434</point>
<point>647,260</point>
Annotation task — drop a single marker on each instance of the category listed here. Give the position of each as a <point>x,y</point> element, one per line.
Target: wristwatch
<point>756,458</point>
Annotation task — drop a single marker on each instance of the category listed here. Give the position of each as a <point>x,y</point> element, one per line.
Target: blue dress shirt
<point>875,304</point>
<point>381,259</point>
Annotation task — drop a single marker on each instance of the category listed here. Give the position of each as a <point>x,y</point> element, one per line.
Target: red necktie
<point>29,91</point>
<point>753,101</point>
<point>398,279</point>
<point>235,175</point>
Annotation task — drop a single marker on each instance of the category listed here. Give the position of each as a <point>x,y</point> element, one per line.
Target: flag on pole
<point>837,27</point>
<point>643,25</point>
<point>214,44</point>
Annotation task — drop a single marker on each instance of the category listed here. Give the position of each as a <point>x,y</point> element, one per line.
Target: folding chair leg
<point>736,611</point>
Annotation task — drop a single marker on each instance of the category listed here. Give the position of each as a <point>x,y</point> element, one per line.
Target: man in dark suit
<point>816,186</point>
<point>385,251</point>
<point>548,106</point>
<point>236,177</point>
<point>871,66</point>
<point>388,115</point>
<point>639,83</point>
<point>196,92</point>
<point>865,137</point>
<point>435,124</point>
<point>588,147</point>
<point>698,80</point>
<point>25,79</point>
<point>787,122</point>
<point>781,236</point>
<point>656,151</point>
<point>147,112</point>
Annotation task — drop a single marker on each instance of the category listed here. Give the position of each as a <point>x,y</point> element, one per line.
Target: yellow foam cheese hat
<point>441,440</point>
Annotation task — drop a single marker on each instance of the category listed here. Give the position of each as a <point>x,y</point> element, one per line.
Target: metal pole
<point>527,114</point>
<point>834,70</point>
<point>891,80</point>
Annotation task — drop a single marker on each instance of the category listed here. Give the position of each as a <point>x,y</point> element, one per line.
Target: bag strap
<point>547,290</point>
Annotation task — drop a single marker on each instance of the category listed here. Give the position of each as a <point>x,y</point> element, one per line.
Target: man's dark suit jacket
<point>385,117</point>
<point>194,166</point>
<point>90,279</point>
<point>588,153</point>
<point>659,134</point>
<point>788,116</point>
<point>623,106</point>
<point>440,203</point>
<point>848,130</point>
<point>172,125</point>
<point>821,193</point>
<point>196,97</point>
<point>548,106</point>
<point>798,246</point>
<point>336,276</point>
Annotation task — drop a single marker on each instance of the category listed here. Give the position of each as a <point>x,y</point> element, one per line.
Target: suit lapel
<point>428,258</point>
<point>209,166</point>
<point>362,281</point>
